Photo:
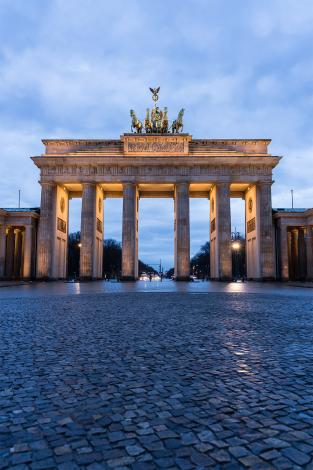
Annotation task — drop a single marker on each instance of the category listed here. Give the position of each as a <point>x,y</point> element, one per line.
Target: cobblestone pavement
<point>144,381</point>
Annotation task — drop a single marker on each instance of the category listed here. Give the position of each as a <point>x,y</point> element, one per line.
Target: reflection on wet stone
<point>140,381</point>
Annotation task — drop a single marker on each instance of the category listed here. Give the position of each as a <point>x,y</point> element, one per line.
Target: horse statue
<point>136,124</point>
<point>178,123</point>
<point>156,119</point>
<point>164,127</point>
<point>148,123</point>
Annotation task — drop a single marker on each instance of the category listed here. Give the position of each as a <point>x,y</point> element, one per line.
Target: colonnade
<point>16,251</point>
<point>53,231</point>
<point>300,253</point>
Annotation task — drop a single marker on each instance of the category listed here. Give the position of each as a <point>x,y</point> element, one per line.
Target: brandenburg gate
<point>155,161</point>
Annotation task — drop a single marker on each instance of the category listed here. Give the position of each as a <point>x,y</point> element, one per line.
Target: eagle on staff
<point>156,122</point>
<point>155,93</point>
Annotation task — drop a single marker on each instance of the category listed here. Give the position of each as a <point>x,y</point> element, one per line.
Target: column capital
<point>182,185</point>
<point>88,184</point>
<point>47,184</point>
<point>129,184</point>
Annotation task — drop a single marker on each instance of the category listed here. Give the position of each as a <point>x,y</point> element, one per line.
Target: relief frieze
<point>115,170</point>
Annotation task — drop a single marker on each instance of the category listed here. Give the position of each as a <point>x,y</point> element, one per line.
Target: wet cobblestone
<point>145,381</point>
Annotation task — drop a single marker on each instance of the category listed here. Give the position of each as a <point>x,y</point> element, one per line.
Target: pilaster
<point>309,252</point>
<point>60,239</point>
<point>46,230</point>
<point>2,249</point>
<point>220,228</point>
<point>267,244</point>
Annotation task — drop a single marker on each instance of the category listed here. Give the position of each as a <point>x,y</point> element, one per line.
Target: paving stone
<point>23,447</point>
<point>206,436</point>
<point>62,450</point>
<point>275,443</point>
<point>189,438</point>
<point>201,459</point>
<point>221,456</point>
<point>45,464</point>
<point>134,450</point>
<point>120,462</point>
<point>251,461</point>
<point>165,462</point>
<point>68,466</point>
<point>238,451</point>
<point>296,456</point>
<point>22,457</point>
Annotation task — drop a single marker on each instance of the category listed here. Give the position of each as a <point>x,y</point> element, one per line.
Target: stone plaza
<point>132,380</point>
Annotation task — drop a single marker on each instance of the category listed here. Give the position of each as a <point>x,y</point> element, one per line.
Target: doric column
<point>302,254</point>
<point>46,230</point>
<point>27,259</point>
<point>283,251</point>
<point>130,232</point>
<point>9,259</point>
<point>88,230</point>
<point>294,254</point>
<point>2,249</point>
<point>182,232</point>
<point>309,252</point>
<point>220,223</point>
<point>290,263</point>
<point>18,252</point>
<point>267,246</point>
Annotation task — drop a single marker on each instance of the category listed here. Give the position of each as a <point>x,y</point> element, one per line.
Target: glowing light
<point>236,246</point>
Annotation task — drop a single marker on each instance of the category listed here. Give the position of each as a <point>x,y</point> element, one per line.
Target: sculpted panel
<point>156,145</point>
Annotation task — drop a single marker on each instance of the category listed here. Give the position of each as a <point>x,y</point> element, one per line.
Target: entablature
<point>146,145</point>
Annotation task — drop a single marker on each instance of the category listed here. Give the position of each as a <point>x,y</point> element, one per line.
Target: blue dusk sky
<point>74,68</point>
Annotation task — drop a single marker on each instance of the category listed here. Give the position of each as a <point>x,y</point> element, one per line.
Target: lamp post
<point>236,248</point>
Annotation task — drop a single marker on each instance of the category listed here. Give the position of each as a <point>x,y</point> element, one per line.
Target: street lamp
<point>236,247</point>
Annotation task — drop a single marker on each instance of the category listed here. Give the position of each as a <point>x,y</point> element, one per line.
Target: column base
<point>182,279</point>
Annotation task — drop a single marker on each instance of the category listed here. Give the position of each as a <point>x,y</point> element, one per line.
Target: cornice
<point>120,141</point>
<point>270,161</point>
